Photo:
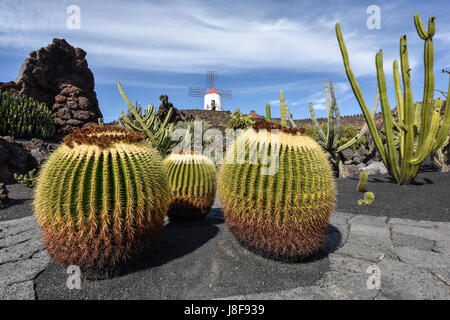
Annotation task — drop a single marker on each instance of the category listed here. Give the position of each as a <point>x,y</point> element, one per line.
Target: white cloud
<point>187,37</point>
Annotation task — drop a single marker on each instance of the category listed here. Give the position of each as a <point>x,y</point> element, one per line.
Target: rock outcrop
<point>39,150</point>
<point>14,158</point>
<point>164,109</point>
<point>58,75</point>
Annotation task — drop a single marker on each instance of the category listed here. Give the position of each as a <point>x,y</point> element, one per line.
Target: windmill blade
<point>197,91</point>
<point>224,94</point>
<point>211,77</point>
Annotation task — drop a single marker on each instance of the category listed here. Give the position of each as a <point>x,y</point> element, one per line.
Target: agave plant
<point>331,142</point>
<point>157,132</point>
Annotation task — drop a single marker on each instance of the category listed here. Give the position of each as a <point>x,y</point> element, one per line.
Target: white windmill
<point>212,97</point>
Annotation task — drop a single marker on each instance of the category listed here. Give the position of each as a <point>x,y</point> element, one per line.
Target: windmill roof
<point>212,90</point>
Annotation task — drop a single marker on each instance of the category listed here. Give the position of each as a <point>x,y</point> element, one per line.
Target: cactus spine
<point>101,198</point>
<point>192,179</point>
<point>283,214</point>
<point>159,134</point>
<point>403,161</point>
<point>331,142</point>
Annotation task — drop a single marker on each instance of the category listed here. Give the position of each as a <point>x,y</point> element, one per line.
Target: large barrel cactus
<point>192,178</point>
<point>101,198</point>
<point>284,213</point>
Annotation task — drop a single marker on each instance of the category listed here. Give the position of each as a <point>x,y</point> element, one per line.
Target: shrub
<point>240,121</point>
<point>24,117</point>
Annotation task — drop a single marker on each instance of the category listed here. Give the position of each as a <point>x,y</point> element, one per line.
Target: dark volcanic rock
<point>164,109</point>
<point>39,149</point>
<point>14,158</point>
<point>58,75</point>
<point>3,196</point>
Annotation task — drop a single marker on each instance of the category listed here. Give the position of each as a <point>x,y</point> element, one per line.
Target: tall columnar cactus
<point>101,197</point>
<point>268,115</point>
<point>157,132</point>
<point>284,113</point>
<point>362,183</point>
<point>283,110</point>
<point>24,117</point>
<point>192,179</point>
<point>282,213</point>
<point>415,143</point>
<point>331,142</point>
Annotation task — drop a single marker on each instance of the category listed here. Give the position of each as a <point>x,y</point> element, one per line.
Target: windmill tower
<point>212,97</point>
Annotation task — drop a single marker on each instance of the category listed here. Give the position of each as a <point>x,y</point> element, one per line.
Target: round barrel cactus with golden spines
<point>192,179</point>
<point>101,198</point>
<point>281,213</point>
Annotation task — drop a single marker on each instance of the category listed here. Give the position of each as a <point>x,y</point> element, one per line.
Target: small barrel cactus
<point>283,214</point>
<point>362,184</point>
<point>369,197</point>
<point>101,198</point>
<point>192,178</point>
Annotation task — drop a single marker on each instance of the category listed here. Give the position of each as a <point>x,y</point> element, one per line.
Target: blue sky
<point>257,48</point>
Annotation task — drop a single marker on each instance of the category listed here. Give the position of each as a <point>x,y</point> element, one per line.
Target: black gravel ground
<point>427,199</point>
<point>19,203</point>
<point>196,260</point>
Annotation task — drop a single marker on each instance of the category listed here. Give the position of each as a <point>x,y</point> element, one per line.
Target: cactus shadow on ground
<point>179,238</point>
<point>196,260</point>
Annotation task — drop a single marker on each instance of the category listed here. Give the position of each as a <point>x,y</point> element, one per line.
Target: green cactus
<point>332,142</point>
<point>362,184</point>
<point>101,198</point>
<point>268,115</point>
<point>282,213</point>
<point>442,157</point>
<point>24,117</point>
<point>282,110</point>
<point>157,132</point>
<point>369,197</point>
<point>416,142</point>
<point>29,179</point>
<point>239,120</point>
<point>192,178</point>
